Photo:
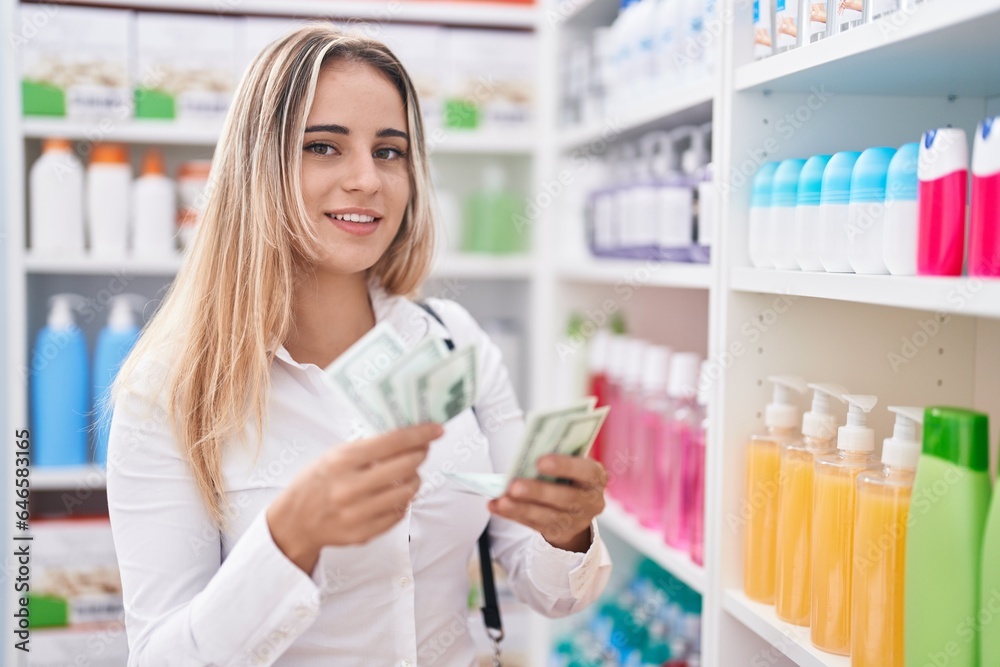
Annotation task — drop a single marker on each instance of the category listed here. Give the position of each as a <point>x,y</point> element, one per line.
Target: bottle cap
<point>785,191</point>
<point>820,422</point>
<point>837,178</point>
<point>153,163</point>
<point>942,152</point>
<point>654,369</point>
<point>103,153</point>
<point>902,450</point>
<point>683,381</point>
<point>856,436</point>
<point>901,183</point>
<point>986,149</point>
<point>56,144</point>
<point>760,196</point>
<point>697,156</point>
<point>958,436</point>
<point>197,170</point>
<point>123,309</point>
<point>660,157</point>
<point>61,308</point>
<point>870,174</point>
<point>597,351</point>
<point>781,412</point>
<point>811,180</point>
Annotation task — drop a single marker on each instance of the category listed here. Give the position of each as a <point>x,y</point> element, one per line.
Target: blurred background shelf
<point>637,273</point>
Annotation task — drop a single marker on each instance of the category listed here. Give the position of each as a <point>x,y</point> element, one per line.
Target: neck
<point>330,313</point>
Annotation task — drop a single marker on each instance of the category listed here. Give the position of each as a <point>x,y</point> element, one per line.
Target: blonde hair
<point>230,304</point>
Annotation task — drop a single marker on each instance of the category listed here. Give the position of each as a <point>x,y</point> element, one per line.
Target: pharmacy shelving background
<point>879,84</point>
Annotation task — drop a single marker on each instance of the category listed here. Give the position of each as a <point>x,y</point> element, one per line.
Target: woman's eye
<point>320,149</point>
<point>389,153</point>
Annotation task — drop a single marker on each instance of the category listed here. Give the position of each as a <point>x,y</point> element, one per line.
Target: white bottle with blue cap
<point>834,205</point>
<point>808,225</point>
<point>784,197</point>
<point>902,217</point>
<point>758,239</point>
<point>866,216</point>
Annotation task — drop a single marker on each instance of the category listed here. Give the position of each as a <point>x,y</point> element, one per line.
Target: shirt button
<point>404,582</point>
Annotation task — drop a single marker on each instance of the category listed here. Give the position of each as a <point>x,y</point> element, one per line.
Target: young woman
<point>283,539</point>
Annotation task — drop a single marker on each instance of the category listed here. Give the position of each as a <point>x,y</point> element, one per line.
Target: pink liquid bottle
<point>597,382</point>
<point>984,226</point>
<point>612,450</point>
<point>635,355</point>
<point>695,492</point>
<point>652,436</point>
<point>942,171</point>
<point>685,418</point>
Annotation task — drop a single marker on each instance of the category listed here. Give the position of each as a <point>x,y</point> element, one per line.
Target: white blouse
<point>195,595</point>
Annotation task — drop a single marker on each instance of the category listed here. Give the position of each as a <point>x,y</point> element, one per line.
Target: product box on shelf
<point>75,62</point>
<point>418,48</point>
<point>257,32</point>
<point>186,66</point>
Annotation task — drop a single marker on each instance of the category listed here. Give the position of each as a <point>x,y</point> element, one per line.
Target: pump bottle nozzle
<point>856,436</point>
<point>819,422</point>
<point>781,412</point>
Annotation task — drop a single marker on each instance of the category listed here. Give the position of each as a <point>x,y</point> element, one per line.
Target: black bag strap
<point>491,608</point>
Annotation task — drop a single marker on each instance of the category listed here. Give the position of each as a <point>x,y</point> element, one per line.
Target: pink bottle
<point>612,453</point>
<point>984,227</point>
<point>630,431</point>
<point>684,420</point>
<point>943,174</point>
<point>695,491</point>
<point>652,435</point>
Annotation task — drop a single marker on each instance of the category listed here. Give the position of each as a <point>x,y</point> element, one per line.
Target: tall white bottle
<point>109,182</point>
<point>55,201</point>
<point>154,209</point>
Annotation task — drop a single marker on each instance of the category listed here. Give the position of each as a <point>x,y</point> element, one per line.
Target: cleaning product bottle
<point>902,218</point>
<point>866,212</point>
<point>834,204</point>
<point>880,547</point>
<point>113,345</point>
<point>109,182</point>
<point>989,587</point>
<point>696,488</point>
<point>760,507</point>
<point>706,222</point>
<point>55,201</point>
<point>943,171</point>
<point>759,241</point>
<point>60,390</point>
<point>793,575</point>
<point>491,217</point>
<point>944,539</point>
<point>984,232</point>
<point>684,420</point>
<point>597,381</point>
<point>784,197</point>
<point>808,237</point>
<point>652,436</point>
<point>154,209</point>
<point>834,504</point>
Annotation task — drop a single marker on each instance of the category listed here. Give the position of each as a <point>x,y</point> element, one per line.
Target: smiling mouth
<point>352,217</point>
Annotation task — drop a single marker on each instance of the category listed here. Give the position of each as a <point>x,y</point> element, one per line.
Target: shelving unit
<point>637,273</point>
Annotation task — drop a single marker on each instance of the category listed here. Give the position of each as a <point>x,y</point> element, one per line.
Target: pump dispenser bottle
<point>113,345</point>
<point>793,583</point>
<point>834,499</point>
<point>761,503</point>
<point>880,546</point>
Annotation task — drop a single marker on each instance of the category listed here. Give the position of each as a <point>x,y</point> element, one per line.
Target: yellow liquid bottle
<point>880,547</point>
<point>834,496</point>
<point>793,566</point>
<point>760,505</point>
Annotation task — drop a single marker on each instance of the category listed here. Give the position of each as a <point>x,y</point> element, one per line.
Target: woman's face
<point>355,173</point>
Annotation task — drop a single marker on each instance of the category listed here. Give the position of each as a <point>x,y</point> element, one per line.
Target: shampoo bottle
<point>113,345</point>
<point>880,547</point>
<point>55,201</point>
<point>154,210</point>
<point>944,539</point>
<point>652,436</point>
<point>808,237</point>
<point>760,506</point>
<point>109,182</point>
<point>758,237</point>
<point>834,204</point>
<point>902,218</point>
<point>866,215</point>
<point>943,171</point>
<point>684,421</point>
<point>491,215</point>
<point>984,230</point>
<point>793,578</point>
<point>834,505</point>
<point>784,197</point>
<point>60,390</point>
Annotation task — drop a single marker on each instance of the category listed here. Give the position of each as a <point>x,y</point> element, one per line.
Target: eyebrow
<point>340,129</point>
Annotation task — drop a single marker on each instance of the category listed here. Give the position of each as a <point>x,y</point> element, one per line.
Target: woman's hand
<point>351,494</point>
<point>562,513</point>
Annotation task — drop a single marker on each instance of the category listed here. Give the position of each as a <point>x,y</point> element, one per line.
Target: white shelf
<point>959,296</point>
<point>90,266</point>
<point>68,477</point>
<point>498,14</point>
<point>691,103</point>
<point>792,640</point>
<point>637,273</point>
<point>481,143</point>
<point>618,521</point>
<point>584,13</point>
<point>483,267</point>
<point>947,47</point>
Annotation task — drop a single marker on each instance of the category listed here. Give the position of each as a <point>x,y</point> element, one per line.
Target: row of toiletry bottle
<point>658,203</point>
<point>651,47</point>
<point>653,619</point>
<point>830,540</point>
<point>882,210</point>
<point>67,391</point>
<point>103,211</point>
<point>781,25</point>
<point>654,447</point>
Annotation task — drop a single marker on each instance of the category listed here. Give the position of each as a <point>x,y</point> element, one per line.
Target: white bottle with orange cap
<point>55,201</point>
<point>154,209</point>
<point>109,182</point>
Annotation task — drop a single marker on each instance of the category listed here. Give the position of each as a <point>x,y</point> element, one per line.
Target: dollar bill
<point>397,383</point>
<point>579,433</point>
<point>489,484</point>
<point>448,388</point>
<point>540,435</point>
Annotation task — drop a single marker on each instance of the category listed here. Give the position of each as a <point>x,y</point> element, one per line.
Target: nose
<point>362,174</point>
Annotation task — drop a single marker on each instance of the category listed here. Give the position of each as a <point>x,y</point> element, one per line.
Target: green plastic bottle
<point>951,496</point>
<point>495,222</point>
<point>989,593</point>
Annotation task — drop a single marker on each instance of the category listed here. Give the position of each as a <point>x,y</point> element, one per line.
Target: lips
<point>357,222</point>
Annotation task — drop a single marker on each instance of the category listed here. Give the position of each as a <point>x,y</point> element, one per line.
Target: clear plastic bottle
<point>614,460</point>
<point>684,420</point>
<point>695,476</point>
<point>635,356</point>
<point>652,436</point>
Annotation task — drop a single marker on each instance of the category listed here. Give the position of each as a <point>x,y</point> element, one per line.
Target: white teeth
<point>353,217</point>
